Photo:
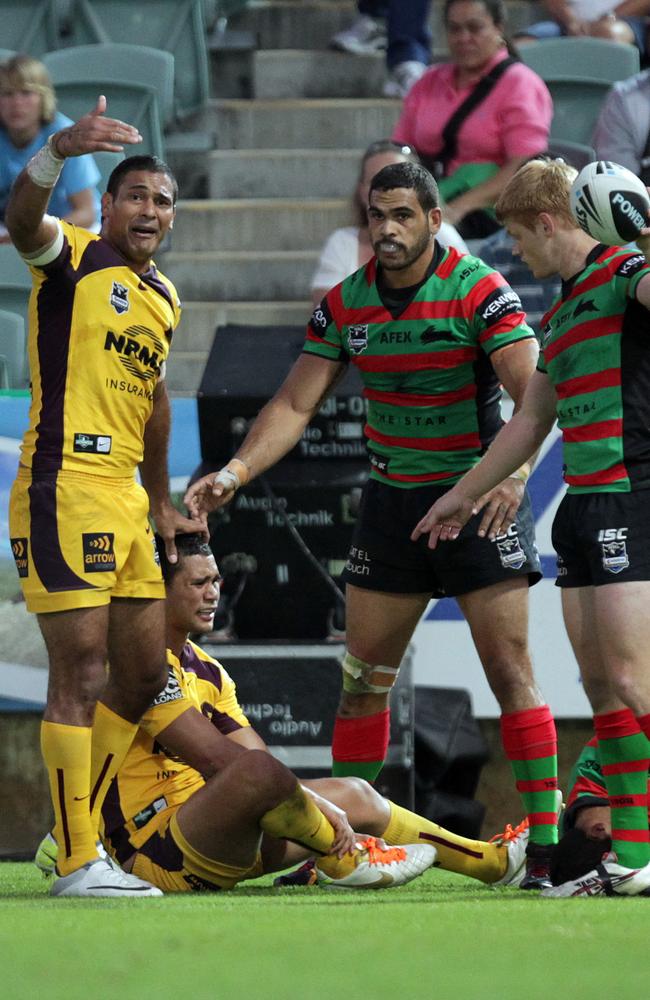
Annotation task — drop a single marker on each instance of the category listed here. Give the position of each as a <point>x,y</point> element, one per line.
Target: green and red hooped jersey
<point>432,395</point>
<point>596,351</point>
<point>586,784</point>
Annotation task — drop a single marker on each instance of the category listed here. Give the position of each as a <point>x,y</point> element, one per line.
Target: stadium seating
<point>131,102</point>
<point>176,26</point>
<point>576,106</point>
<point>117,61</point>
<point>12,351</point>
<point>15,281</point>
<point>577,154</point>
<point>581,57</point>
<point>6,54</point>
<point>106,163</point>
<point>29,27</point>
<point>579,73</point>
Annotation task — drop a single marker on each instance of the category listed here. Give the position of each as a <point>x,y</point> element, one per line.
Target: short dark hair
<point>186,545</point>
<point>413,176</point>
<point>495,8</point>
<point>152,164</point>
<point>575,854</point>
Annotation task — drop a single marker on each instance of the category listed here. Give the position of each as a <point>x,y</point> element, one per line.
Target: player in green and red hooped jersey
<point>592,377</point>
<point>433,334</point>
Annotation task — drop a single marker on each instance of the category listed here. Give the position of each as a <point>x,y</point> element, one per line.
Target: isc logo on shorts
<point>19,547</point>
<point>99,551</point>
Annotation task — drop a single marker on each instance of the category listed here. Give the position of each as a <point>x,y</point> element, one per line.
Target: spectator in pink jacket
<point>475,148</point>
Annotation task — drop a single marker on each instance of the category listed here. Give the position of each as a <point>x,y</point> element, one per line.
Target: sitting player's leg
<point>379,627</point>
<point>218,832</point>
<point>500,860</point>
<point>498,619</point>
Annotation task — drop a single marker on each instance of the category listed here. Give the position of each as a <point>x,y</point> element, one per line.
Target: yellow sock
<point>66,752</point>
<point>299,818</point>
<point>111,739</point>
<point>474,858</point>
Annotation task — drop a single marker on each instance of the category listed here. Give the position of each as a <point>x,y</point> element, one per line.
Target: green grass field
<point>442,937</point>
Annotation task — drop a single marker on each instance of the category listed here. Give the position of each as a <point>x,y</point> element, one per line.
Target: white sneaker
<point>47,854</point>
<point>99,878</point>
<point>382,867</point>
<point>607,879</point>
<point>515,842</point>
<point>362,38</point>
<point>402,77</point>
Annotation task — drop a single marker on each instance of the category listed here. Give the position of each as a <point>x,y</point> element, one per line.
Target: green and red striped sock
<point>624,751</point>
<point>359,745</point>
<point>530,744</point>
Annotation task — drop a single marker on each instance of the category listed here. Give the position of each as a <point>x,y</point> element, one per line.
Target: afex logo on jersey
<point>99,551</point>
<point>142,360</point>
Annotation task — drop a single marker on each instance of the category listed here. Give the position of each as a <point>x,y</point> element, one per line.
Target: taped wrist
<point>522,473</point>
<point>233,475</point>
<point>45,166</point>
<point>360,677</point>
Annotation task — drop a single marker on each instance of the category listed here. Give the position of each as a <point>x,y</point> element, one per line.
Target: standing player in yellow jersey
<point>101,322</point>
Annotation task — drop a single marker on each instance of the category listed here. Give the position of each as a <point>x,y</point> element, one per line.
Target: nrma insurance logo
<point>546,488</point>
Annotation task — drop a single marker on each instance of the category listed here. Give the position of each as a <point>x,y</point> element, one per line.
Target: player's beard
<point>410,256</point>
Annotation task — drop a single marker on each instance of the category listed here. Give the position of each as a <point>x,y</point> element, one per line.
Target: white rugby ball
<point>610,202</point>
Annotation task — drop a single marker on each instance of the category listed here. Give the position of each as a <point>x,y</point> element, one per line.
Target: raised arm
<point>30,228</point>
<point>277,428</point>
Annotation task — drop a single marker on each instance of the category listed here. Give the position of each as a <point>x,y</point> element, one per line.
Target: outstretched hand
<point>94,133</point>
<point>444,521</point>
<point>209,493</point>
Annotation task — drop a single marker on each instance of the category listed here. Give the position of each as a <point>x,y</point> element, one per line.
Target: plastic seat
<point>576,106</point>
<point>175,26</point>
<point>12,351</point>
<point>131,102</point>
<point>116,61</point>
<point>6,55</point>
<point>577,154</point>
<point>29,27</point>
<point>581,57</point>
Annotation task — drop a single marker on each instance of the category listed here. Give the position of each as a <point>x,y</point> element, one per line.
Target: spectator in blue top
<point>28,116</point>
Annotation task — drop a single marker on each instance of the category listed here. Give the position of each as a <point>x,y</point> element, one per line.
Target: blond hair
<point>23,72</point>
<point>540,185</point>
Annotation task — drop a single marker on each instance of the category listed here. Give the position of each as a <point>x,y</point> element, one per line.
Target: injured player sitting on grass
<point>199,803</point>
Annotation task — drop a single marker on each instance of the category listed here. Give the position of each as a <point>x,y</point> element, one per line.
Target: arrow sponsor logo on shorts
<point>20,550</point>
<point>98,551</point>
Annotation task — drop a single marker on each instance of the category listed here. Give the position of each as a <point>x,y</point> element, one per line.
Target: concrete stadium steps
<point>303,24</point>
<point>200,319</point>
<point>262,224</point>
<point>282,173</point>
<point>299,124</point>
<point>291,73</point>
<point>275,275</point>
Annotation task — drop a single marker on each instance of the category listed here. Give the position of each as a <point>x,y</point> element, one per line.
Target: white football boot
<point>380,867</point>
<point>99,878</point>
<point>515,841</point>
<point>607,879</point>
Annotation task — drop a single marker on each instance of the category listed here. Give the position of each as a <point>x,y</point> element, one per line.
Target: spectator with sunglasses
<point>349,248</point>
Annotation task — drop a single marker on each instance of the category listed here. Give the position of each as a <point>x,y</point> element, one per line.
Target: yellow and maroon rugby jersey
<point>99,335</point>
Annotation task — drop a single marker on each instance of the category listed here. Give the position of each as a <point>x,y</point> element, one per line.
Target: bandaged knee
<point>360,677</point>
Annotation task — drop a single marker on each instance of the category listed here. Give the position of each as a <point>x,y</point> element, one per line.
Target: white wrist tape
<point>228,478</point>
<point>45,166</point>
